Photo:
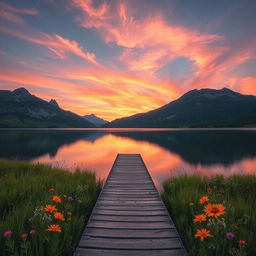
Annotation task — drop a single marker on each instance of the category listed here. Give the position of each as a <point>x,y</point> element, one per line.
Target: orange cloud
<point>109,94</point>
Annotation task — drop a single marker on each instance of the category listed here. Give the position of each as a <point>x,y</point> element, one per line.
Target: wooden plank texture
<point>129,217</point>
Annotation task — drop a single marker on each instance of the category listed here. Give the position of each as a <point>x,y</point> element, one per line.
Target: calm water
<point>166,152</point>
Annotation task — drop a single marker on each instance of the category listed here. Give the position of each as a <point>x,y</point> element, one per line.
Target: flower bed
<point>214,215</point>
<point>43,209</point>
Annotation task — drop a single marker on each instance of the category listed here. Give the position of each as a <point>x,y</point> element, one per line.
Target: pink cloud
<point>151,41</point>
<point>9,13</point>
<point>57,44</point>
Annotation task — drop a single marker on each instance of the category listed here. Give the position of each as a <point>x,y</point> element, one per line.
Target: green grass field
<point>232,232</point>
<point>25,190</point>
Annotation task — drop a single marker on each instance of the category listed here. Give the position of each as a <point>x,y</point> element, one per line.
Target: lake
<point>166,152</point>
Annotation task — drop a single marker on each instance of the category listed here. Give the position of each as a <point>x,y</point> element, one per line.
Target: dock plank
<point>129,217</point>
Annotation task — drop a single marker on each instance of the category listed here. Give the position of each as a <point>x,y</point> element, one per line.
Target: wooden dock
<point>129,217</point>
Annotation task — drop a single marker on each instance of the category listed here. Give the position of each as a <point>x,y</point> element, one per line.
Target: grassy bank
<point>29,194</point>
<point>216,215</point>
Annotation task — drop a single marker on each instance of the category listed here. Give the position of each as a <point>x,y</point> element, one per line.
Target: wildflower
<point>230,235</point>
<point>203,233</point>
<point>79,201</point>
<point>209,190</point>
<point>69,219</point>
<point>50,208</point>
<point>56,199</point>
<point>30,219</point>
<point>69,213</point>
<point>242,242</point>
<point>191,204</point>
<point>8,233</point>
<point>24,235</point>
<point>70,198</point>
<point>199,218</point>
<point>214,210</point>
<point>32,232</point>
<point>54,228</point>
<point>59,216</point>
<point>65,196</point>
<point>51,190</point>
<point>203,199</point>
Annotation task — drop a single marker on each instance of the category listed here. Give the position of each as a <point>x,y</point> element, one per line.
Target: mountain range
<point>19,108</point>
<point>98,122</point>
<point>196,108</point>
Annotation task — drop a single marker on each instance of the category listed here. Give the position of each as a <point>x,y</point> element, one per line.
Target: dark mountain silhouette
<point>198,108</point>
<point>97,121</point>
<point>19,108</point>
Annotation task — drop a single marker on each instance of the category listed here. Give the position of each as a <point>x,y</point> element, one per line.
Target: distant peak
<point>54,102</point>
<point>225,89</point>
<point>21,91</point>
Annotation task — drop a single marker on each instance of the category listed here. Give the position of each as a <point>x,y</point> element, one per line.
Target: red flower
<point>51,189</point>
<point>242,242</point>
<point>209,189</point>
<point>24,235</point>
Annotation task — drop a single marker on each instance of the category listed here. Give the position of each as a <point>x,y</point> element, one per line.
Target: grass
<point>25,190</point>
<point>238,195</point>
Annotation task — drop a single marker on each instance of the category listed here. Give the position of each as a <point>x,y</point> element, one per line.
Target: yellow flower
<point>199,218</point>
<point>203,199</point>
<point>59,216</point>
<point>203,233</point>
<point>214,210</point>
<point>56,199</point>
<point>54,228</point>
<point>50,208</point>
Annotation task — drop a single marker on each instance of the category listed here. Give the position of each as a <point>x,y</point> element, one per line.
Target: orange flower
<point>50,208</point>
<point>203,199</point>
<point>59,216</point>
<point>203,233</point>
<point>199,218</point>
<point>56,199</point>
<point>214,210</point>
<point>54,228</point>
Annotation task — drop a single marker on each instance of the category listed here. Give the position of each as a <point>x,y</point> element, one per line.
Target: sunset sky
<point>117,58</point>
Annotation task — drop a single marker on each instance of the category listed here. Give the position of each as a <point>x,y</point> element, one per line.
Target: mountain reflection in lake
<point>165,152</point>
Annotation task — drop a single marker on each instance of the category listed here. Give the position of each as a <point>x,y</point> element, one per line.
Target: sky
<point>116,58</point>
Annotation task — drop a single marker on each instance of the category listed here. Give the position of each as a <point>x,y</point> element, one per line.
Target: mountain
<point>95,120</point>
<point>19,108</point>
<point>198,108</point>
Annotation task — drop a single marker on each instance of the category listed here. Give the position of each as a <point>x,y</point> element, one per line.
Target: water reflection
<point>165,152</point>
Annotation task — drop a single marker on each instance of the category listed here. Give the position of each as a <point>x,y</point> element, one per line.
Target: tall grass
<point>237,193</point>
<point>24,193</point>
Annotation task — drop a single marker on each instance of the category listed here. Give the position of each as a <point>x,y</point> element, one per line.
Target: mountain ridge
<point>197,108</point>
<point>97,121</point>
<point>20,109</point>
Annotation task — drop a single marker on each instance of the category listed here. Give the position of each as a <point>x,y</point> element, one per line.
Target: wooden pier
<point>129,217</point>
